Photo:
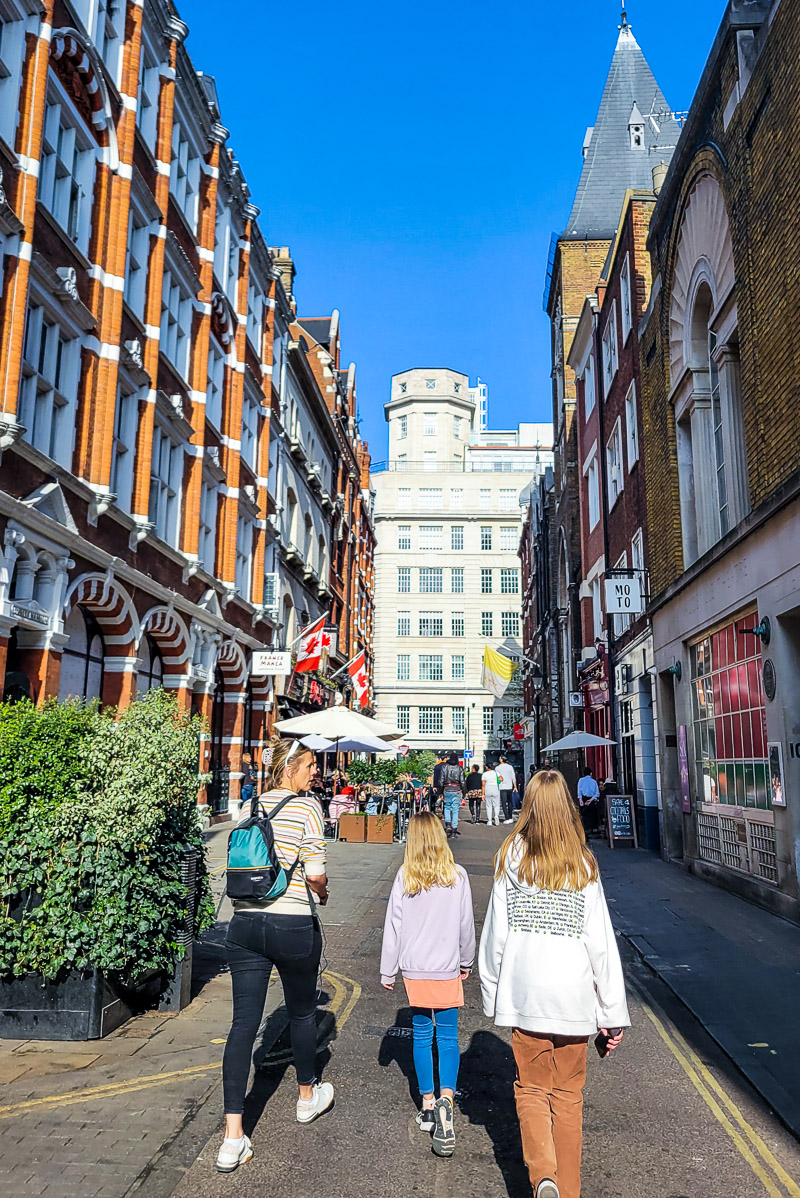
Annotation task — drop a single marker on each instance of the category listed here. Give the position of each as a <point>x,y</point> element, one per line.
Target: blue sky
<point>416,159</point>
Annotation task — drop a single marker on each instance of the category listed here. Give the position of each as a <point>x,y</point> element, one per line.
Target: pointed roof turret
<point>613,160</point>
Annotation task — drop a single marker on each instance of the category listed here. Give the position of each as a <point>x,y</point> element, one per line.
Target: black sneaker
<point>426,1121</point>
<point>444,1136</point>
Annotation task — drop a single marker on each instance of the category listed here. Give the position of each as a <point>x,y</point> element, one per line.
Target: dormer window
<point>636,128</point>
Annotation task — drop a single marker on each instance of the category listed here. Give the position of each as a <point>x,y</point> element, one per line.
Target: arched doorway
<point>83,657</point>
<point>151,670</point>
<point>219,785</point>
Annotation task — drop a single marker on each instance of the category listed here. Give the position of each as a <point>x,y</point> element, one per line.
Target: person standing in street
<point>473,790</point>
<point>283,932</point>
<point>429,936</point>
<point>589,801</point>
<point>452,783</point>
<point>550,969</point>
<point>508,782</point>
<point>490,785</point>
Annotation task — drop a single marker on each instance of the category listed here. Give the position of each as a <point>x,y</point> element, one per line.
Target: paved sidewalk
<point>734,965</point>
<point>106,1118</point>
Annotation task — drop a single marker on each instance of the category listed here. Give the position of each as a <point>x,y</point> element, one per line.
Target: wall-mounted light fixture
<point>676,671</point>
<point>763,631</point>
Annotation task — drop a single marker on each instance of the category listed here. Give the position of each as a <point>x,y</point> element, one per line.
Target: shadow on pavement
<point>486,1097</point>
<point>396,1049</point>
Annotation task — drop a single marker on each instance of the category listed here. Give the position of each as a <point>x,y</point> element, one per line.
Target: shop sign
<point>316,692</point>
<point>683,766</point>
<point>624,596</point>
<point>271,661</point>
<point>519,732</point>
<point>621,819</point>
<point>775,752</point>
<point>576,699</point>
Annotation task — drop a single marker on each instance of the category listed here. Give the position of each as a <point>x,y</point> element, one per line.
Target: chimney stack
<point>659,175</point>
<point>284,268</point>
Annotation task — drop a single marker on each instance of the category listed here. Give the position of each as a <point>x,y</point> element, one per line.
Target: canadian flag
<point>310,646</point>
<point>358,672</point>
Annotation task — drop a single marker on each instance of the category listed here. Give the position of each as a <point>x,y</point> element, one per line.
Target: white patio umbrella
<point>577,740</point>
<point>363,743</point>
<point>337,723</point>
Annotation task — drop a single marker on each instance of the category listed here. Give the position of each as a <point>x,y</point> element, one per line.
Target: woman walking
<point>550,969</point>
<point>284,932</point>
<point>490,786</point>
<point>429,935</point>
<point>474,789</point>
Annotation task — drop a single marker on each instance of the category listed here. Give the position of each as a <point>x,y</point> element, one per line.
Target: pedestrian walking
<point>508,782</point>
<point>550,969</point>
<point>490,785</point>
<point>589,801</point>
<point>283,932</point>
<point>452,783</point>
<point>429,936</point>
<point>474,790</point>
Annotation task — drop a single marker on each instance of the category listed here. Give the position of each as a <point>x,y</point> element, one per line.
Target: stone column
<point>727,359</point>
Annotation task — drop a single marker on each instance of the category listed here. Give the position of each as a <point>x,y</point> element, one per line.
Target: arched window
<point>151,670</point>
<point>291,516</point>
<point>82,657</point>
<point>308,545</point>
<point>289,620</point>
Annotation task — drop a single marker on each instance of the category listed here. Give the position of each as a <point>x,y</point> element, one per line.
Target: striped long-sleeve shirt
<point>299,836</point>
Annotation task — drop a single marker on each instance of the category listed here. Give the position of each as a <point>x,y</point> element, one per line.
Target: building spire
<point>625,27</point>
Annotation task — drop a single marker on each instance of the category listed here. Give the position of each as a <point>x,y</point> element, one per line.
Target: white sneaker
<point>233,1153</point>
<point>508,821</point>
<point>547,1189</point>
<point>307,1112</point>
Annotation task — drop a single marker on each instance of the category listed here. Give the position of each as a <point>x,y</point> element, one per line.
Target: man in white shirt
<point>508,782</point>
<point>589,800</point>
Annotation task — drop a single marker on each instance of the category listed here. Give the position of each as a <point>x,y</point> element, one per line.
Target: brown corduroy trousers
<point>551,1073</point>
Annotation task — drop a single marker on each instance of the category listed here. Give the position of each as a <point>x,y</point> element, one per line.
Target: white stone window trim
<point>64,396</point>
<point>615,469</point>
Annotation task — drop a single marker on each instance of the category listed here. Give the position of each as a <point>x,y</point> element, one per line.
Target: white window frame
<point>404,580</point>
<point>488,721</point>
<point>614,468</point>
<point>404,536</point>
<point>487,580</point>
<point>509,538</point>
<point>67,166</point>
<point>591,473</point>
<point>589,388</point>
<point>456,537</point>
<point>457,580</point>
<point>166,481</point>
<point>184,175</point>
<point>243,575</point>
<point>215,383</point>
<point>626,302</point>
<point>458,720</point>
<point>50,377</point>
<point>509,580</point>
<point>430,499</point>
<point>123,451</point>
<point>430,667</point>
<point>485,499</point>
<point>430,460</point>
<point>509,499</point>
<point>251,411</point>
<point>637,553</point>
<point>402,428</point>
<point>631,426</point>
<point>486,538</point>
<point>510,617</point>
<point>12,57</point>
<point>456,499</point>
<point>430,575</point>
<point>404,623</point>
<point>177,307</point>
<point>149,95</point>
<point>429,424</point>
<point>404,499</point>
<point>457,668</point>
<point>431,537</point>
<point>487,624</point>
<point>431,623</point>
<point>256,308</point>
<point>137,259</point>
<point>457,427</point>
<point>431,721</point>
<point>610,349</point>
<point>209,508</point>
<point>403,667</point>
<point>404,718</point>
<point>457,624</point>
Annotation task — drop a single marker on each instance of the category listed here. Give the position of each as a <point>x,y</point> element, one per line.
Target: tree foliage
<point>96,816</point>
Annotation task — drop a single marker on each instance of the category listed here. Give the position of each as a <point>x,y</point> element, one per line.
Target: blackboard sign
<point>621,819</point>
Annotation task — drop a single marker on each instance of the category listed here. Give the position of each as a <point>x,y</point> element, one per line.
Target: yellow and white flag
<point>497,672</point>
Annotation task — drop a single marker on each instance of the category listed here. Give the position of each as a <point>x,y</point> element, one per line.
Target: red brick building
<point>138,310</point>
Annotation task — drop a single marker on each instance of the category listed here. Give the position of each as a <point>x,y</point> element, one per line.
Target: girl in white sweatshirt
<point>550,969</point>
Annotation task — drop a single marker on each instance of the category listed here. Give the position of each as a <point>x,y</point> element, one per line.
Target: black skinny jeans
<point>507,803</point>
<point>256,942</point>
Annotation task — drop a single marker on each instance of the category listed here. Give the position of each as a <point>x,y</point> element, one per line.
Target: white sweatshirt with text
<point>549,960</point>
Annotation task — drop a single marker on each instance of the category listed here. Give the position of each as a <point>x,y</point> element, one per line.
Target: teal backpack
<point>254,871</point>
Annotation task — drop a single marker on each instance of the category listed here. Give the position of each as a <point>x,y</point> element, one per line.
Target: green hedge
<point>95,815</point>
<point>385,772</point>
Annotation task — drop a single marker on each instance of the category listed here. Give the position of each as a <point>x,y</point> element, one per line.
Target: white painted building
<point>447,578</point>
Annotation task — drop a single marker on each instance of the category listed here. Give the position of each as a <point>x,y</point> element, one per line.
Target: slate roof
<point>611,165</point>
<point>318,327</point>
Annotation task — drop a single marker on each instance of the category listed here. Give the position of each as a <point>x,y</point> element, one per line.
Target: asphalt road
<point>667,1117</point>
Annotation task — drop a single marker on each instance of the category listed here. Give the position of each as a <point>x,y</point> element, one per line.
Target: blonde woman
<point>550,969</point>
<point>429,936</point>
<point>283,932</point>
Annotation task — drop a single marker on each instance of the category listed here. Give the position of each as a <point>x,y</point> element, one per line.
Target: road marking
<point>708,1087</point>
<point>341,1002</point>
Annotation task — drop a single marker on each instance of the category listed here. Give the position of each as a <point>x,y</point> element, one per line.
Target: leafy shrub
<point>95,816</point>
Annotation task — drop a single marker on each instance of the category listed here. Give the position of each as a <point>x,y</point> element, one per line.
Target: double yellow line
<point>347,992</point>
<point>769,1171</point>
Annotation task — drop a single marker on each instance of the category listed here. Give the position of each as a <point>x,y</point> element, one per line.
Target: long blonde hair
<point>550,834</point>
<point>428,861</point>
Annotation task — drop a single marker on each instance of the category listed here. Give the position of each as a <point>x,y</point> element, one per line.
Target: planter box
<point>82,1007</point>
<point>380,829</point>
<point>353,827</point>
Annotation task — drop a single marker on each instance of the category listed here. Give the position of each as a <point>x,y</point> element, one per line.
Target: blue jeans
<point>452,806</point>
<point>446,1042</point>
